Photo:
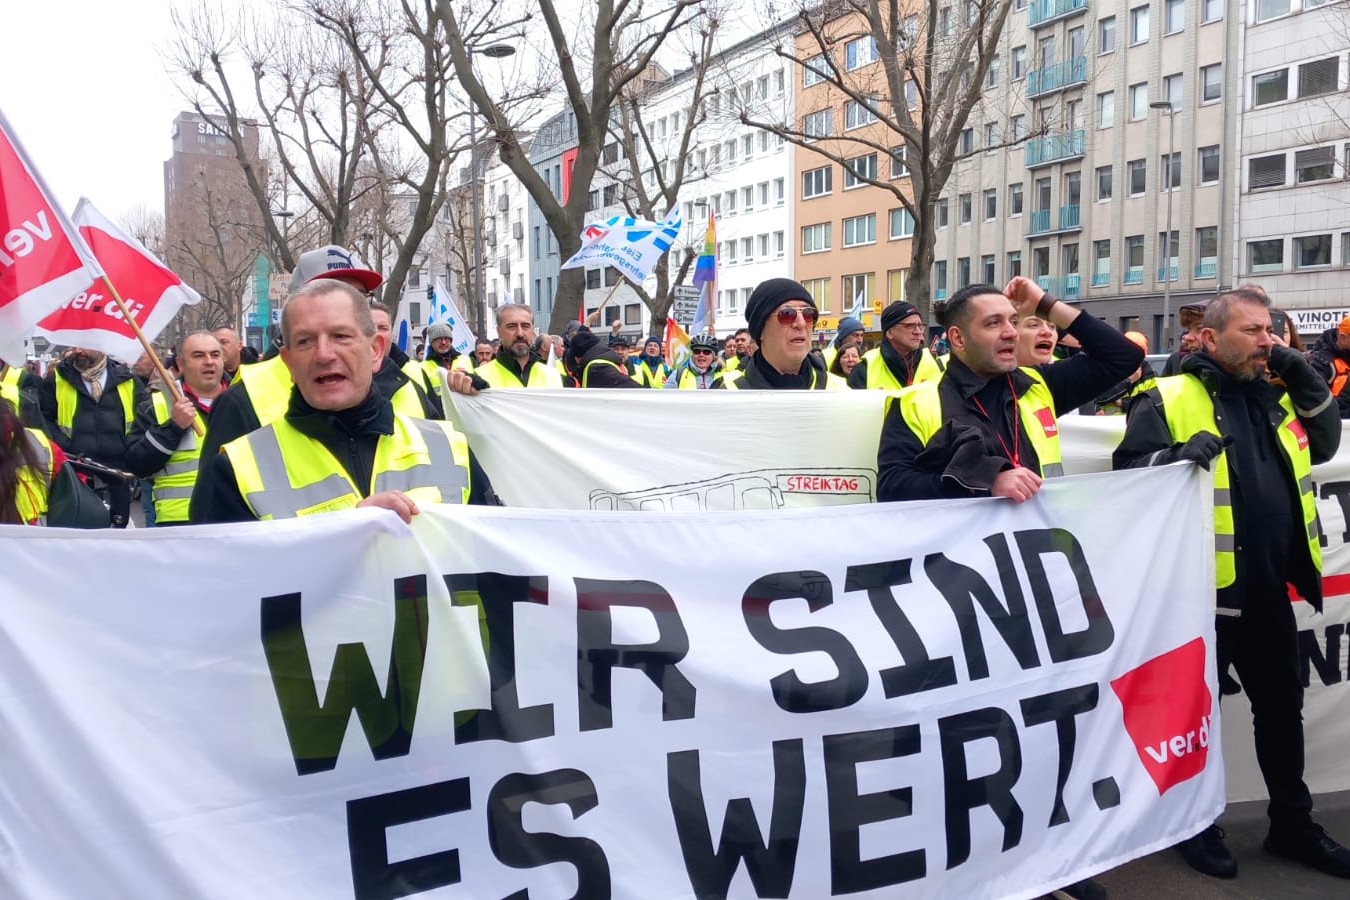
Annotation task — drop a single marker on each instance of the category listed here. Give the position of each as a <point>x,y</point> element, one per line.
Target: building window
<point>1211,11</point>
<point>1171,91</point>
<point>967,140</point>
<point>940,275</point>
<point>779,191</point>
<point>592,279</point>
<point>1211,82</point>
<point>990,204</point>
<point>816,182</point>
<point>816,238</point>
<point>1014,264</point>
<point>1270,87</point>
<point>1101,263</point>
<point>1106,109</point>
<point>819,289</point>
<point>1019,63</point>
<point>1265,256</point>
<point>778,243</point>
<point>1317,164</point>
<point>1134,259</point>
<point>860,52</point>
<point>987,271</point>
<point>1138,25</point>
<point>857,287</point>
<point>860,170</point>
<point>1138,177</point>
<point>1138,101</point>
<point>763,193</point>
<point>1015,199</point>
<point>764,246</point>
<point>747,249</point>
<point>1171,171</point>
<point>898,167</point>
<point>1019,126</point>
<point>1104,183</point>
<point>991,75</point>
<point>1320,77</point>
<point>1209,165</point>
<point>1174,16</point>
<point>942,213</point>
<point>963,271</point>
<point>964,209</point>
<point>1206,252</point>
<point>818,124</point>
<point>857,115</point>
<point>1269,9</point>
<point>860,230</point>
<point>895,279</point>
<point>1106,35</point>
<point>990,136</point>
<point>902,224</point>
<point>1265,171</point>
<point>815,70</point>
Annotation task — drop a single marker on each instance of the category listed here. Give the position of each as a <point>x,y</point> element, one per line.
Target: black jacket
<point>966,455</point>
<point>1322,357</point>
<point>232,416</point>
<point>902,367</point>
<point>1271,543</point>
<point>391,379</point>
<point>758,375</point>
<point>605,376</point>
<point>350,435</point>
<point>100,429</point>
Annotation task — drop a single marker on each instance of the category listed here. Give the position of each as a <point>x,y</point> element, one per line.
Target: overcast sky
<point>82,83</point>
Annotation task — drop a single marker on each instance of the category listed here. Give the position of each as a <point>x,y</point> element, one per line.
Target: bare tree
<point>218,257</point>
<point>624,37</point>
<point>147,226</point>
<point>934,58</point>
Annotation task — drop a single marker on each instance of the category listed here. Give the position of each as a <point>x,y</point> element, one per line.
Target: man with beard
<point>988,427</point>
<point>340,444</point>
<point>88,405</point>
<point>1261,441</point>
<point>781,316</point>
<point>515,364</point>
<point>163,445</point>
<point>233,348</point>
<point>482,352</point>
<point>400,378</point>
<point>902,359</point>
<point>1191,316</point>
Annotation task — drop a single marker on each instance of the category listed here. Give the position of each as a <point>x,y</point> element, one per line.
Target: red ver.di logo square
<point>1168,709</point>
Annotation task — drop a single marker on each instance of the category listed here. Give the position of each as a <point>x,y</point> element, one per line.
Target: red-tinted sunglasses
<point>786,315</point>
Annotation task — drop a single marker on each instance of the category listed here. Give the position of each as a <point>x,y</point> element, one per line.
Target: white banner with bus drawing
<point>755,450</point>
<point>975,699</point>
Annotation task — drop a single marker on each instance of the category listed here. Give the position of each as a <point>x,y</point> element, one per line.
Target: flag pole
<point>603,303</point>
<point>150,351</point>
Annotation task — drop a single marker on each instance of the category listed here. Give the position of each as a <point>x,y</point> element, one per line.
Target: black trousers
<point>1262,646</point>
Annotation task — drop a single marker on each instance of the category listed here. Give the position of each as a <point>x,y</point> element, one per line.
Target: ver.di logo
<point>1168,713</point>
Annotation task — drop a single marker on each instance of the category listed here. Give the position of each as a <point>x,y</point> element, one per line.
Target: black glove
<point>1202,447</point>
<point>1281,358</point>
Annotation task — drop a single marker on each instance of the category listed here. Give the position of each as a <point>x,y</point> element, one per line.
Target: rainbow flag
<point>677,343</point>
<point>705,269</point>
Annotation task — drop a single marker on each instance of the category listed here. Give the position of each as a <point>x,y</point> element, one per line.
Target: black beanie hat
<point>769,296</point>
<point>581,344</point>
<point>896,313</point>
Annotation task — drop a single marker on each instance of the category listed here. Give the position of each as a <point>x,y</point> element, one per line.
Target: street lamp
<point>1171,177</point>
<point>494,51</point>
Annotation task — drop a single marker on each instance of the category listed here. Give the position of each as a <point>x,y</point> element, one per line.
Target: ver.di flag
<point>152,293</point>
<point>43,262</point>
<point>632,246</point>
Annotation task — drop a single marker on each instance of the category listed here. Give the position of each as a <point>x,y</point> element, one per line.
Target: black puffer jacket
<point>100,430</point>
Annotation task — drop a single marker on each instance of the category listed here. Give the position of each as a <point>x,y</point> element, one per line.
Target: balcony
<point>1134,275</point>
<point>1168,273</point>
<point>1101,279</point>
<point>1043,151</point>
<point>1057,77</point>
<point>940,294</point>
<point>1066,287</point>
<point>1038,222</point>
<point>1207,269</point>
<point>1043,12</point>
<point>1068,217</point>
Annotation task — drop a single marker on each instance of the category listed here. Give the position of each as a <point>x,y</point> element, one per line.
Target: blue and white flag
<point>444,310</point>
<point>859,303</point>
<point>403,326</point>
<point>632,246</point>
<point>703,314</point>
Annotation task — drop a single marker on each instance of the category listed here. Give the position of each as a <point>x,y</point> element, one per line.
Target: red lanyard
<point>1015,454</point>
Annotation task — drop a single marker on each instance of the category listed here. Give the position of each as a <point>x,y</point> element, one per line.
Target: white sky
<point>82,83</point>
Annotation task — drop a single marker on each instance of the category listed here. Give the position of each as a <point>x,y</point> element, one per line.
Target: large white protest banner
<point>975,699</point>
<point>744,450</point>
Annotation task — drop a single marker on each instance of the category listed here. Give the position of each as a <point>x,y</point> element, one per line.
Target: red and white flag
<point>153,294</point>
<point>43,262</point>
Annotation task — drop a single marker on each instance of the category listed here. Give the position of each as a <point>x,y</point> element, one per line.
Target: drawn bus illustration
<point>759,489</point>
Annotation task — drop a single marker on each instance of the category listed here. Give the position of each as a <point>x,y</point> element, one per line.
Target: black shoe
<point>1206,853</point>
<point>1312,847</point>
<point>1087,889</point>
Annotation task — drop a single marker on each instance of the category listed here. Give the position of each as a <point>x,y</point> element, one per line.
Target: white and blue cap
<point>333,262</point>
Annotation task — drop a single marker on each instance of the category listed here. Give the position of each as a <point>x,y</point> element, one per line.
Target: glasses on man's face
<point>912,326</point>
<point>787,315</point>
<point>702,352</point>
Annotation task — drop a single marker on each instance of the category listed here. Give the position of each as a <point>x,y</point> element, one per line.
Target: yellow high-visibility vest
<point>173,484</point>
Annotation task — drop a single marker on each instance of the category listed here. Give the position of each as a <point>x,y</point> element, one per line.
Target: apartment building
<point>1293,222</point>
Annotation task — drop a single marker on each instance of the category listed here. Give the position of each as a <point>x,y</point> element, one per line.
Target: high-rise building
<point>212,226</point>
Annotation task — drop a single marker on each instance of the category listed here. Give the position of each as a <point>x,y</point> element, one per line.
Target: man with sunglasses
<point>988,427</point>
<point>902,359</point>
<point>780,317</point>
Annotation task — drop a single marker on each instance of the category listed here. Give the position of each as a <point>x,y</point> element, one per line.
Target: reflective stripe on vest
<point>269,388</point>
<point>645,375</point>
<point>921,408</point>
<point>68,398</point>
<point>1188,409</point>
<point>173,484</point>
<point>586,372</point>
<point>689,380</point>
<point>880,376</point>
<point>499,376</point>
<point>31,495</point>
<point>281,473</point>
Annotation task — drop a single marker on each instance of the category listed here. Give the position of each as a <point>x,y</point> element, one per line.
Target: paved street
<point>1259,875</point>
